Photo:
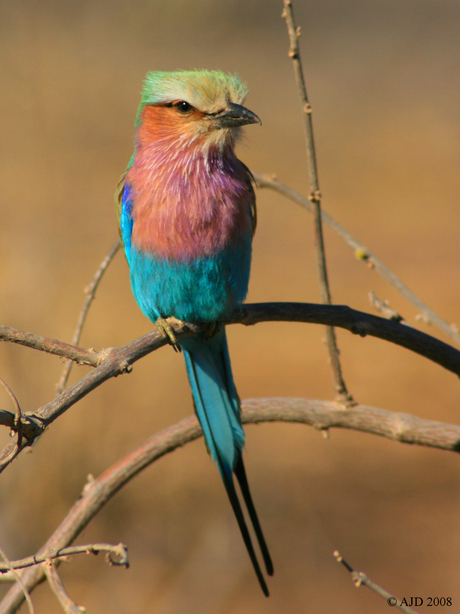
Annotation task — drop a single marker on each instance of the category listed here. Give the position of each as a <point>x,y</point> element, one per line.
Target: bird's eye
<point>183,107</point>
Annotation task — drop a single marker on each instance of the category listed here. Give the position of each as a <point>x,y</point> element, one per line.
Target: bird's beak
<point>233,116</point>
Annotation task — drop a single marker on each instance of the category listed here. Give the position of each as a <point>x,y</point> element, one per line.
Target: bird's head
<point>194,108</point>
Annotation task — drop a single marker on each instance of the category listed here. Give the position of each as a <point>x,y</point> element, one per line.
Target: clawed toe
<point>167,330</point>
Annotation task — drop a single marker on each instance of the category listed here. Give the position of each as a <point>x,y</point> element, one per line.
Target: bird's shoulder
<point>122,204</point>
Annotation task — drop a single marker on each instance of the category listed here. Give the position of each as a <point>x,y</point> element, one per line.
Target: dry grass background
<point>383,81</point>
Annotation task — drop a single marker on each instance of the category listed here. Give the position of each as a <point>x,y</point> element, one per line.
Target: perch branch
<point>363,254</point>
<point>322,415</point>
<point>315,198</point>
<point>115,361</point>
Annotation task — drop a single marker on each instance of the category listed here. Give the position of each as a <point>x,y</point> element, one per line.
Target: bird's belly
<point>203,289</point>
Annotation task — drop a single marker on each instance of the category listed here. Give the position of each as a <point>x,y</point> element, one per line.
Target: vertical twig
<point>315,198</point>
<point>90,292</point>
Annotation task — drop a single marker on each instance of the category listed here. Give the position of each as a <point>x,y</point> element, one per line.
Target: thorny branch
<point>315,198</point>
<point>322,415</point>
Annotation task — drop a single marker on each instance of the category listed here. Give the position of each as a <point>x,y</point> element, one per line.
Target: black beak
<point>233,116</point>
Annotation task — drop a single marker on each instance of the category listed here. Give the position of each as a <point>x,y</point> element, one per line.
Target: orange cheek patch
<point>161,123</point>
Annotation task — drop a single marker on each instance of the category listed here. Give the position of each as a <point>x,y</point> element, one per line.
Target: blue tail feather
<point>218,409</point>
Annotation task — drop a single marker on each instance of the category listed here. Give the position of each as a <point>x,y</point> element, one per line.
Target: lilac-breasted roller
<point>187,215</point>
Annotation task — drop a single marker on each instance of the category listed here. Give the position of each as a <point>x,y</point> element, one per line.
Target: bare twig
<point>52,346</point>
<point>19,582</point>
<point>384,308</point>
<point>90,292</point>
<point>118,555</point>
<point>360,578</point>
<point>325,415</point>
<point>55,582</point>
<point>363,254</point>
<point>116,361</point>
<point>315,198</point>
<point>322,415</point>
<point>17,422</point>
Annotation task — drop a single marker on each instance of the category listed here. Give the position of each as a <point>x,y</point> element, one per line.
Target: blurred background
<point>382,77</point>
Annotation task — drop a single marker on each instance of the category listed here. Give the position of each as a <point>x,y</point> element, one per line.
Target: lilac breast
<point>189,205</point>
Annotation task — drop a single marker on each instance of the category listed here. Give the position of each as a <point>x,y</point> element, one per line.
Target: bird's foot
<point>167,330</point>
<point>211,329</point>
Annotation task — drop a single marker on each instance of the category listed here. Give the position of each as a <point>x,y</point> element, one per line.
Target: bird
<point>187,214</point>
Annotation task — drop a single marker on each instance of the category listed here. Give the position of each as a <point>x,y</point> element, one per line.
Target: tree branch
<point>117,555</point>
<point>322,415</point>
<point>51,346</point>
<point>115,361</point>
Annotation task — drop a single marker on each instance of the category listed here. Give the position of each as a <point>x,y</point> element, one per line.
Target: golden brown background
<point>383,79</point>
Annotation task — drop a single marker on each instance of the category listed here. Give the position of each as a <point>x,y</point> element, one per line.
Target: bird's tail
<point>218,409</point>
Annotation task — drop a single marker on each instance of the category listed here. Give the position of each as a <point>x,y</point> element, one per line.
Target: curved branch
<point>115,361</point>
<point>320,414</point>
<point>341,316</point>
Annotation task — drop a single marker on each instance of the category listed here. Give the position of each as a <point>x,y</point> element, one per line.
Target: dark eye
<point>183,107</point>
